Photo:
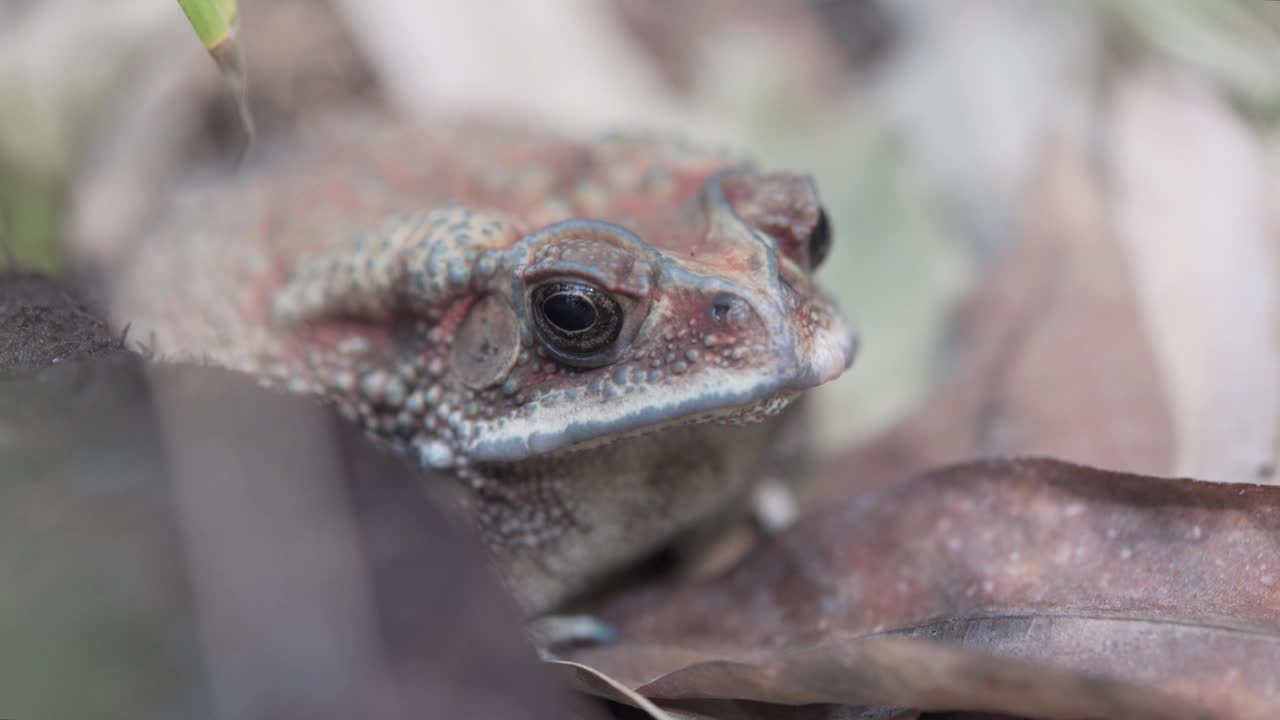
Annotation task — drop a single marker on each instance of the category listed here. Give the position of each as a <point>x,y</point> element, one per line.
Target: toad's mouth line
<point>574,432</point>
<point>746,414</point>
<point>735,400</point>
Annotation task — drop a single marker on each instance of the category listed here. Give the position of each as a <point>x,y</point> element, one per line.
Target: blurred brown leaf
<point>1133,327</point>
<point>1050,356</point>
<point>1169,583</point>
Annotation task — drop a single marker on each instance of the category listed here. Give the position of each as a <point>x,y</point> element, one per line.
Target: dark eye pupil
<point>570,312</point>
<point>575,320</point>
<point>820,240</point>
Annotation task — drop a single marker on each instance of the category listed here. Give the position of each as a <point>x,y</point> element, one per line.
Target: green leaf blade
<point>214,20</point>
<point>215,23</point>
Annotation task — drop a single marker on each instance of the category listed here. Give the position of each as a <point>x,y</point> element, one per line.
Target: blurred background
<point>930,125</point>
<point>1056,229</point>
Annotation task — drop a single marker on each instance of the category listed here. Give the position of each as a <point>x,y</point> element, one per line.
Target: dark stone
<point>42,322</point>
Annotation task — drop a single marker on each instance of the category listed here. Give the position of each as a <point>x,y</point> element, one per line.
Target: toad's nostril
<point>728,310</point>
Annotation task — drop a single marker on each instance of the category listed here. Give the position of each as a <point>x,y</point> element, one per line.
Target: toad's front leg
<point>422,264</point>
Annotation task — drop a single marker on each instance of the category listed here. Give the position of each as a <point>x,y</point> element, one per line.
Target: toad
<point>598,342</point>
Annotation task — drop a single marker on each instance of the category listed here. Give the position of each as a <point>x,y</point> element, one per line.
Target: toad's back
<point>223,241</point>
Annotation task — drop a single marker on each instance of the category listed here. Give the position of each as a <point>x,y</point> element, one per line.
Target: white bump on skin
<point>435,454</point>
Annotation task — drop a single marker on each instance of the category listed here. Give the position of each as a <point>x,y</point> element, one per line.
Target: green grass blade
<point>215,23</point>
<point>213,20</point>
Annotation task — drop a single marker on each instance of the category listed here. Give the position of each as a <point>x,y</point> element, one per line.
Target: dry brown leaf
<point>899,672</point>
<point>597,684</point>
<point>1171,583</point>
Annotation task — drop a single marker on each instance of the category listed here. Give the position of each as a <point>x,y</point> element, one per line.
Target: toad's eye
<point>575,320</point>
<point>819,241</point>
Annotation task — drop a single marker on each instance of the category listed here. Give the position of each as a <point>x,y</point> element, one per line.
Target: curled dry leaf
<point>595,683</point>
<point>1172,584</point>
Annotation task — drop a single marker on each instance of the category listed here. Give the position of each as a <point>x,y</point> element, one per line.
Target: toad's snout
<point>828,355</point>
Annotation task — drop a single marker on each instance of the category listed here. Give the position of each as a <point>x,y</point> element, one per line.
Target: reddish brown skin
<point>423,327</point>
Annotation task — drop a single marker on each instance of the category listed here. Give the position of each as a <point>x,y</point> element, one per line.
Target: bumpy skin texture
<point>595,340</point>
